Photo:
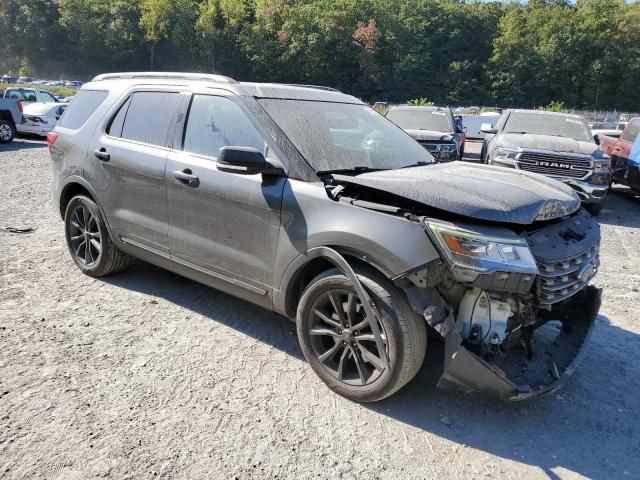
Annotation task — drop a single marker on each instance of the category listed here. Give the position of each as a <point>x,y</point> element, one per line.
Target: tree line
<point>584,53</point>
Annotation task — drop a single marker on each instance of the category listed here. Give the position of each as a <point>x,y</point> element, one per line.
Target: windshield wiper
<point>419,164</point>
<point>356,169</point>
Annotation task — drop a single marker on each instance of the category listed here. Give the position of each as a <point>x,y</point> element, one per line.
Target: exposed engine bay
<point>518,334</point>
<point>511,300</point>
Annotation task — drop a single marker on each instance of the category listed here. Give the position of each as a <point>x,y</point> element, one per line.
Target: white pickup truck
<point>10,116</point>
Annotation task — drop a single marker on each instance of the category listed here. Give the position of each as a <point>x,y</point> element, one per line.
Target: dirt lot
<point>148,375</point>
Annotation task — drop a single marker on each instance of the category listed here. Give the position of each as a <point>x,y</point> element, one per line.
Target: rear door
<point>126,165</point>
<point>223,225</point>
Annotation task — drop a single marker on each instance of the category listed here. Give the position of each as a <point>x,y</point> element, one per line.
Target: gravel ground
<point>147,375</point>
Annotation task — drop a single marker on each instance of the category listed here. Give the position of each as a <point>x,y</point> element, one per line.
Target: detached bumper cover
<point>557,353</point>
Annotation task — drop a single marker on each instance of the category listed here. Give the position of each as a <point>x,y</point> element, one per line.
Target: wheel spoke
<point>96,245</point>
<point>371,358</point>
<point>369,337</point>
<point>324,331</point>
<point>363,324</point>
<point>77,237</point>
<point>326,319</point>
<point>351,308</point>
<point>337,306</point>
<point>341,364</point>
<point>80,247</point>
<point>76,224</point>
<point>94,234</point>
<point>328,355</point>
<point>359,366</point>
<point>88,258</point>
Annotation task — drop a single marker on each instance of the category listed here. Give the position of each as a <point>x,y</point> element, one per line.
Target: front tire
<point>89,243</point>
<point>594,208</point>
<point>338,343</point>
<point>7,131</point>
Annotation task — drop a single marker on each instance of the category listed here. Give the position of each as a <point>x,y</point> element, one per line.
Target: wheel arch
<point>6,115</point>
<point>312,263</point>
<point>73,186</point>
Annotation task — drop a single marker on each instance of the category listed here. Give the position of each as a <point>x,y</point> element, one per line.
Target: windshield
<point>546,124</point>
<point>342,136</point>
<point>436,120</point>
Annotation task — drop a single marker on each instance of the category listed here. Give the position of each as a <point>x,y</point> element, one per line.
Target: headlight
<point>482,249</point>
<point>446,150</point>
<point>505,156</point>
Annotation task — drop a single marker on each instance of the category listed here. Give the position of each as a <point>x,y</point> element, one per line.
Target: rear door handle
<point>102,155</point>
<point>186,177</point>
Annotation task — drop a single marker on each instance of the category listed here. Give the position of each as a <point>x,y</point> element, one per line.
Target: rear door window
<point>216,122</point>
<point>150,116</point>
<point>83,106</point>
<point>48,98</point>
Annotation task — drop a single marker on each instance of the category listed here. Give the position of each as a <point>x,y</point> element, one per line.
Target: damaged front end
<point>515,309</point>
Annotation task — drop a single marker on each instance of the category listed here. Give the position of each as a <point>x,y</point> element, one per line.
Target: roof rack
<point>167,75</point>
<point>319,87</point>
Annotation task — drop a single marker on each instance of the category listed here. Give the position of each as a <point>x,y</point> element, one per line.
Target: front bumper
<point>516,376</point>
<point>589,193</point>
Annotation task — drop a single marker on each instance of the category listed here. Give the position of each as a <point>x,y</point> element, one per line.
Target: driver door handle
<point>102,155</point>
<point>186,177</point>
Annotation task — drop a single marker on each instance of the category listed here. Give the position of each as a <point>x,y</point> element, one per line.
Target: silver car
<point>305,201</point>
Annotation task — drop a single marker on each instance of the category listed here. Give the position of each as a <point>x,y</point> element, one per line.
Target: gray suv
<point>305,201</point>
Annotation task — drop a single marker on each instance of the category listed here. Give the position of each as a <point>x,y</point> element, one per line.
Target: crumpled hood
<point>429,135</point>
<point>514,141</point>
<point>495,194</point>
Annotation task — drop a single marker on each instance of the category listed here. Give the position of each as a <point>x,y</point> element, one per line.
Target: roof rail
<point>319,87</point>
<point>163,75</point>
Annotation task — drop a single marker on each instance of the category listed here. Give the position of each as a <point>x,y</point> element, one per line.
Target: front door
<point>223,225</point>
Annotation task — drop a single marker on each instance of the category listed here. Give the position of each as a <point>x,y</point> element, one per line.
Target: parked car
<point>26,95</point>
<point>434,128</point>
<point>40,118</point>
<point>606,128</point>
<point>557,145</point>
<point>55,83</point>
<point>625,168</point>
<point>473,124</point>
<point>10,116</point>
<point>305,201</point>
<point>73,84</point>
<point>8,79</point>
<point>25,80</point>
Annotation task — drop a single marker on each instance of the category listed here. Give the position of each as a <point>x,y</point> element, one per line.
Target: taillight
<point>51,139</point>
<point>20,106</point>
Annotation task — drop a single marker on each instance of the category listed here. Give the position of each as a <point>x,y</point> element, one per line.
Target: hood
<point>527,141</point>
<point>430,135</point>
<point>495,194</point>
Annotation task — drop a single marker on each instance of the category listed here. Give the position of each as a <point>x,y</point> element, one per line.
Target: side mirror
<point>245,161</point>
<point>488,128</point>
<point>596,138</point>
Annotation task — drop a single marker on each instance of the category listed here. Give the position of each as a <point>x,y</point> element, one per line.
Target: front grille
<point>560,279</point>
<point>556,165</point>
<point>429,146</point>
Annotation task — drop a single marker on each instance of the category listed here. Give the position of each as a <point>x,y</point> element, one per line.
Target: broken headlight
<point>475,249</point>
<point>505,156</point>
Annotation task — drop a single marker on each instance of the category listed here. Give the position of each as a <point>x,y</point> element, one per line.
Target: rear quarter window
<point>81,108</point>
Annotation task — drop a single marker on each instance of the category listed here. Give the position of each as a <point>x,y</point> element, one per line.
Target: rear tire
<point>88,239</point>
<point>351,370</point>
<point>7,131</point>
